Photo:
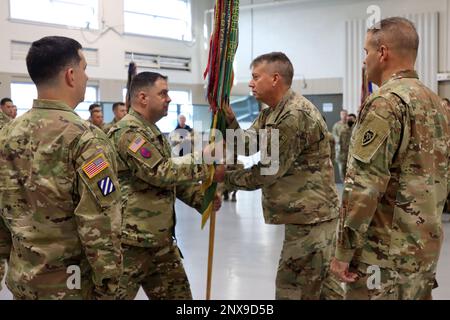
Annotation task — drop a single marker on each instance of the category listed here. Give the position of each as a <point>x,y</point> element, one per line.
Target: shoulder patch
<point>145,152</point>
<point>106,186</point>
<point>136,143</point>
<point>369,137</point>
<point>95,166</point>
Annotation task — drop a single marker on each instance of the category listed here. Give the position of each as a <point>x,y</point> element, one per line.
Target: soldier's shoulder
<point>410,91</point>
<point>126,124</point>
<point>383,104</point>
<point>301,105</point>
<point>91,134</point>
<point>305,111</point>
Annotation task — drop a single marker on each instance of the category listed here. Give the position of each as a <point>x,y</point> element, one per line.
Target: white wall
<point>111,48</point>
<point>312,33</point>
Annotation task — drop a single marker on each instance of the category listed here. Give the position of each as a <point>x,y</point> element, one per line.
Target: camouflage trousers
<point>2,272</point>
<point>393,285</point>
<point>51,286</point>
<point>159,271</point>
<point>303,270</point>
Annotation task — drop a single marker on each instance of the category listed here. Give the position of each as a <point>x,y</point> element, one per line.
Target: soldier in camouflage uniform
<point>151,182</point>
<point>337,129</point>
<point>6,106</point>
<point>332,142</point>
<point>59,194</point>
<point>6,111</point>
<point>302,194</point>
<point>120,110</point>
<point>344,144</point>
<point>332,147</point>
<point>398,176</point>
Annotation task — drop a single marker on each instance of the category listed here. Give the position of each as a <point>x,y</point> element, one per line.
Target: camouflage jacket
<point>151,180</point>
<point>344,143</point>
<point>332,146</point>
<point>60,204</point>
<point>337,129</point>
<point>303,190</point>
<point>108,126</point>
<point>4,119</point>
<point>397,178</point>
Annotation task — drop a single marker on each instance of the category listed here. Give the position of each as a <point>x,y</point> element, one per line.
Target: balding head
<point>398,34</point>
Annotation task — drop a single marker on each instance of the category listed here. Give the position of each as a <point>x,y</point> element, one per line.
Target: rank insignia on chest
<point>145,152</point>
<point>106,186</point>
<point>136,144</point>
<point>368,137</point>
<point>95,166</point>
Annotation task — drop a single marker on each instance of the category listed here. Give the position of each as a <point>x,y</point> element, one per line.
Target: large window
<point>23,94</point>
<point>90,97</point>
<point>167,19</point>
<point>181,104</point>
<point>74,13</point>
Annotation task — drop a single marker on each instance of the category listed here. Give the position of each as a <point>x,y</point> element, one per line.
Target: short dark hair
<point>5,100</point>
<point>281,63</point>
<point>352,115</point>
<point>116,105</point>
<point>399,32</point>
<point>49,55</point>
<point>94,106</point>
<point>446,101</point>
<point>144,79</point>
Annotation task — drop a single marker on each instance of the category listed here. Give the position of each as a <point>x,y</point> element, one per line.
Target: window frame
<point>54,25</point>
<point>190,26</point>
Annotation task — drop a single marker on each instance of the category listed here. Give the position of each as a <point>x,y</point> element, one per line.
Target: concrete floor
<point>246,252</point>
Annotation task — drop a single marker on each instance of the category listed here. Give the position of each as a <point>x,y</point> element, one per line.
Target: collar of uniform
<point>4,115</point>
<point>403,74</point>
<point>283,100</point>
<point>52,104</point>
<point>146,123</point>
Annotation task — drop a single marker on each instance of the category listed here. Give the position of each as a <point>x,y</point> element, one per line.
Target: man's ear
<point>142,97</point>
<point>69,77</point>
<point>276,79</point>
<point>383,52</point>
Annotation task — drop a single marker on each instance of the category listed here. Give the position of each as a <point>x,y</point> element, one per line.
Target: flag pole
<point>212,230</point>
<point>223,45</point>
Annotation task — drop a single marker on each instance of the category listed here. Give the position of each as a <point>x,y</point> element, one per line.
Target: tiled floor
<point>246,252</point>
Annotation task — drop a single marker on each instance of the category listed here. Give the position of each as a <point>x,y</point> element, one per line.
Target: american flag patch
<point>95,166</point>
<point>136,144</point>
<point>106,186</point>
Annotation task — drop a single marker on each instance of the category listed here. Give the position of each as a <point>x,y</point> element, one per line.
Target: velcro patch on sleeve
<point>369,137</point>
<point>95,166</point>
<point>136,144</point>
<point>106,186</point>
